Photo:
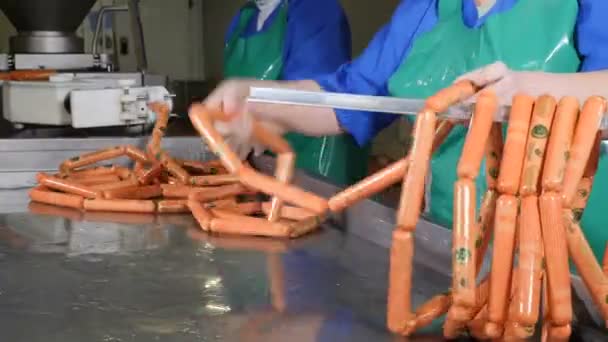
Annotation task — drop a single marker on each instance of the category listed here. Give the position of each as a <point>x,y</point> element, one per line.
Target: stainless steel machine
<point>83,91</point>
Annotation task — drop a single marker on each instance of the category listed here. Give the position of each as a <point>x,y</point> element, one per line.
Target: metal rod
<point>100,19</point>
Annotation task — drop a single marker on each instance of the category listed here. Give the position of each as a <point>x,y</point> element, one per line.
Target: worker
<point>427,45</point>
<point>296,39</point>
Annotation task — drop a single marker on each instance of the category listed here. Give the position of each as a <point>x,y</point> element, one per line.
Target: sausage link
<point>124,206</point>
<point>151,174</point>
<point>56,198</point>
<point>428,312</point>
<point>136,154</point>
<point>214,180</point>
<point>463,244</point>
<point>413,184</point>
<point>221,204</point>
<point>305,226</point>
<point>177,191</point>
<point>494,155</point>
<point>249,226</point>
<point>93,172</point>
<point>605,260</point>
<point>211,167</point>
<point>94,157</point>
<point>559,333</point>
<point>560,140</point>
<point>286,192</point>
<point>201,214</point>
<point>284,173</point>
<point>122,172</point>
<point>96,180</point>
<point>273,141</point>
<point>175,169</point>
<point>129,183</point>
<point>542,118</point>
<point>216,193</point>
<point>478,136</point>
<point>172,206</point>
<point>505,226</point>
<point>290,212</point>
<point>400,281</point>
<point>249,208</point>
<point>530,263</point>
<point>485,223</point>
<point>582,144</point>
<point>477,326</point>
<point>67,186</point>
<point>515,145</point>
<point>452,329</point>
<point>134,192</point>
<point>556,258</point>
<point>457,92</point>
<point>202,120</point>
<point>594,157</point>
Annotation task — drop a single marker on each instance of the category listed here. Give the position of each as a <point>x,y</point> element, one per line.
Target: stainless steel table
<point>69,276</point>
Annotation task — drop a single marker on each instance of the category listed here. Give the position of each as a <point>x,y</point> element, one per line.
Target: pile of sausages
<point>158,183</point>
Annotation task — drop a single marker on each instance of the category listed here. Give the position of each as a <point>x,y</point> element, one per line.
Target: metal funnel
<point>46,26</point>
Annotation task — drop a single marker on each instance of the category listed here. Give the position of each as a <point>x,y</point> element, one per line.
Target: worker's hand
<point>230,96</point>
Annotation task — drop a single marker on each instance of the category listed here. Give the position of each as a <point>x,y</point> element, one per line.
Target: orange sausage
<point>97,171</point>
<point>478,136</point>
<point>288,193</point>
<point>214,180</point>
<point>594,157</point>
<point>505,226</point>
<point>97,180</point>
<point>136,154</point>
<point>485,227</point>
<point>56,198</point>
<point>515,144</point>
<point>306,226</point>
<point>222,204</point>
<point>457,92</point>
<point>586,264</point>
<point>583,193</point>
<point>201,215</point>
<point>216,193</point>
<point>149,175</point>
<point>560,140</point>
<point>283,173</point>
<point>172,206</point>
<point>542,118</point>
<point>476,327</point>
<point>129,183</point>
<point>175,169</point>
<point>125,206</point>
<point>400,281</point>
<point>428,312</point>
<point>134,192</point>
<point>212,167</point>
<point>413,184</point>
<point>274,142</point>
<point>122,172</point>
<point>67,186</point>
<point>605,261</point>
<point>290,212</point>
<point>94,157</point>
<point>249,226</point>
<point>202,120</point>
<point>452,329</point>
<point>249,208</point>
<point>530,263</point>
<point>556,258</point>
<point>493,155</point>
<point>444,128</point>
<point>559,333</point>
<point>463,244</point>
<point>176,191</point>
<point>582,145</point>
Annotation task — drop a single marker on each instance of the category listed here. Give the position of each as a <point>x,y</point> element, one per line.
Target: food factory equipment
<point>49,79</point>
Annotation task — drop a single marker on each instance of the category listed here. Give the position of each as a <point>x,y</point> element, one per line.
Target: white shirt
<point>266,8</point>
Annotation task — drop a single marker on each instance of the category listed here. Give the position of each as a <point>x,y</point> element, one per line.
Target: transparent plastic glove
<point>237,133</point>
<point>272,127</point>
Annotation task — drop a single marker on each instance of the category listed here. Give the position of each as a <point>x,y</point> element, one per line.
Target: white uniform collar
<point>266,8</point>
<point>484,6</point>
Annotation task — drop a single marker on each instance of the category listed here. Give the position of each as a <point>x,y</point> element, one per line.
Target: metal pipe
<point>102,13</point>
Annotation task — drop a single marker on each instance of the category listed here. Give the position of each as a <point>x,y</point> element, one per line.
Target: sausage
<point>478,136</point>
<point>457,92</point>
<point>94,157</point>
<point>124,206</point>
<point>222,204</point>
<point>134,192</point>
<point>413,184</point>
<point>560,140</point>
<point>493,155</point>
<point>477,326</point>
<point>515,144</point>
<point>274,142</point>
<point>201,214</point>
<point>56,198</point>
<point>96,180</point>
<point>542,118</point>
<point>160,126</point>
<point>369,186</point>
<point>461,314</point>
<point>582,145</point>
<point>176,191</point>
<point>559,333</point>
<point>556,258</point>
<point>306,226</point>
<point>505,226</point>
<point>605,260</point>
<point>214,180</point>
<point>238,210</point>
<point>594,157</point>
<point>216,193</point>
<point>54,210</point>
<point>172,206</point>
<point>286,192</point>
<point>290,212</point>
<point>452,329</point>
<point>212,167</point>
<point>586,264</point>
<point>463,244</point>
<point>202,120</point>
<point>583,193</point>
<point>485,227</point>
<point>129,183</point>
<point>175,169</point>
<point>122,172</point>
<point>517,332</point>
<point>249,226</point>
<point>136,154</point>
<point>428,312</point>
<point>444,128</point>
<point>283,173</point>
<point>67,186</point>
<point>399,310</point>
<point>530,263</point>
<point>149,175</point>
<point>97,171</point>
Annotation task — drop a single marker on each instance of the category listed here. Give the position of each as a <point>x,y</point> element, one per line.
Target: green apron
<point>532,35</point>
<point>261,56</point>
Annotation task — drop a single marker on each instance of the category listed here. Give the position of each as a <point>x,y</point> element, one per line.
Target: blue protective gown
<point>311,25</point>
<point>369,73</point>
